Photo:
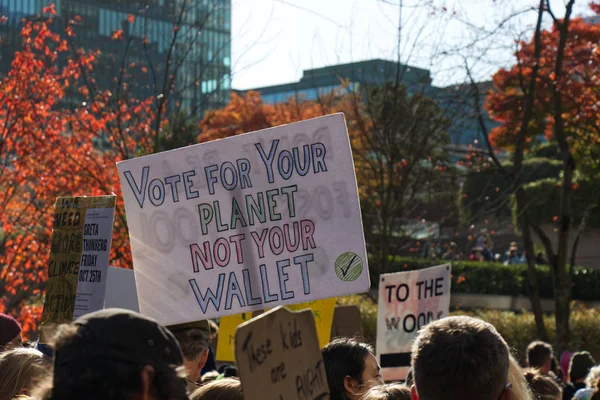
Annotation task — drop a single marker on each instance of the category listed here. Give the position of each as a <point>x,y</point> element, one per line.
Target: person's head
<point>592,377</point>
<point>596,394</point>
<point>580,365</point>
<point>209,377</point>
<point>556,370</point>
<point>542,386</point>
<point>194,339</point>
<point>228,371</point>
<point>393,391</point>
<point>118,355</point>
<point>519,387</point>
<point>351,368</point>
<point>539,356</point>
<point>460,358</point>
<point>10,332</point>
<point>222,389</point>
<point>21,370</point>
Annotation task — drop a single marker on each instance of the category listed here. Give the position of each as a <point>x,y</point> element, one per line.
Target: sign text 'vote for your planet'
<point>246,223</point>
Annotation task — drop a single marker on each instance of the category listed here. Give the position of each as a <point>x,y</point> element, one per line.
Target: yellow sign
<point>65,256</point>
<point>225,344</point>
<point>322,310</point>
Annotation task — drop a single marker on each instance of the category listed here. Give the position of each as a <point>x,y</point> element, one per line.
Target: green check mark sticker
<point>348,266</point>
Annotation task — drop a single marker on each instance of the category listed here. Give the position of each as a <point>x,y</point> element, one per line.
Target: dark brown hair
<point>193,342</point>
<point>538,354</point>
<point>460,357</point>
<point>542,386</point>
<point>222,389</point>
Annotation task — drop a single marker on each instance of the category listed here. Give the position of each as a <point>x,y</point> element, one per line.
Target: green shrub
<point>509,280</point>
<point>518,329</point>
<point>544,201</point>
<point>487,190</point>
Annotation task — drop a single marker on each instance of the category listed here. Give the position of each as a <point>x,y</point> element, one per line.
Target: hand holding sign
<point>279,358</point>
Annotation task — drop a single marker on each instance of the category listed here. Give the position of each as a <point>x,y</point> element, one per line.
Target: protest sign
<point>246,223</point>
<point>323,312</point>
<point>278,357</point>
<point>120,289</point>
<point>346,322</point>
<point>321,309</point>
<point>407,302</point>
<point>227,327</point>
<point>79,253</point>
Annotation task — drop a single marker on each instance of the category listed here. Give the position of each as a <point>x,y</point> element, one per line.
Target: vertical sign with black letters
<point>407,302</point>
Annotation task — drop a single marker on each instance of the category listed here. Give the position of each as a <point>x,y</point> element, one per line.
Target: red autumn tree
<point>579,87</point>
<point>62,131</point>
<point>47,150</point>
<point>248,113</point>
<point>552,90</point>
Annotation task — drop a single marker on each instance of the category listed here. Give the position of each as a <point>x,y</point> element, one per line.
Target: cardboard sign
<point>323,312</point>
<point>79,253</point>
<point>346,322</point>
<point>120,289</point>
<point>407,302</point>
<point>321,309</point>
<point>246,223</point>
<point>278,357</point>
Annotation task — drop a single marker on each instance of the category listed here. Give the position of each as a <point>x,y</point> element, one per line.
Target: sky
<point>273,41</point>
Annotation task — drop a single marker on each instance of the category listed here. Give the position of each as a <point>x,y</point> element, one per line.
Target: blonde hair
<point>592,377</point>
<point>22,369</point>
<point>392,391</point>
<point>516,378</point>
<point>222,389</point>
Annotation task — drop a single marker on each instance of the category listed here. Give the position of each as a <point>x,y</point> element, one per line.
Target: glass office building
<point>183,47</point>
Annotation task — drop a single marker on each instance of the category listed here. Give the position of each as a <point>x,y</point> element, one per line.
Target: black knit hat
<point>122,336</point>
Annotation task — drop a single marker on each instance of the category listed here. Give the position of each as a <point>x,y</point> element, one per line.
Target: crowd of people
<point>121,355</point>
<point>483,250</point>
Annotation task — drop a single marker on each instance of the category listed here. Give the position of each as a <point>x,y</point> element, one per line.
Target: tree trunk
<point>532,280</point>
<point>562,283</point>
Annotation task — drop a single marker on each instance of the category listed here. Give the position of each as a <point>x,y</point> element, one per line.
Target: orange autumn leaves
<point>579,87</point>
<point>249,113</point>
<point>51,119</point>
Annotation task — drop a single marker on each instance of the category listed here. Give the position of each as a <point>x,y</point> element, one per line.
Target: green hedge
<point>518,329</point>
<point>511,280</point>
<point>544,198</point>
<point>485,189</point>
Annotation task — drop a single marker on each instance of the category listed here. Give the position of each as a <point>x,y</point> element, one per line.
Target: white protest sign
<point>246,223</point>
<point>95,254</point>
<point>407,302</point>
<point>121,290</point>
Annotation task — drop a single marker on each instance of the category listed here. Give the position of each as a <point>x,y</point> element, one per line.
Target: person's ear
<point>147,376</point>
<point>413,393</point>
<point>507,394</point>
<point>351,386</point>
<point>202,359</point>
